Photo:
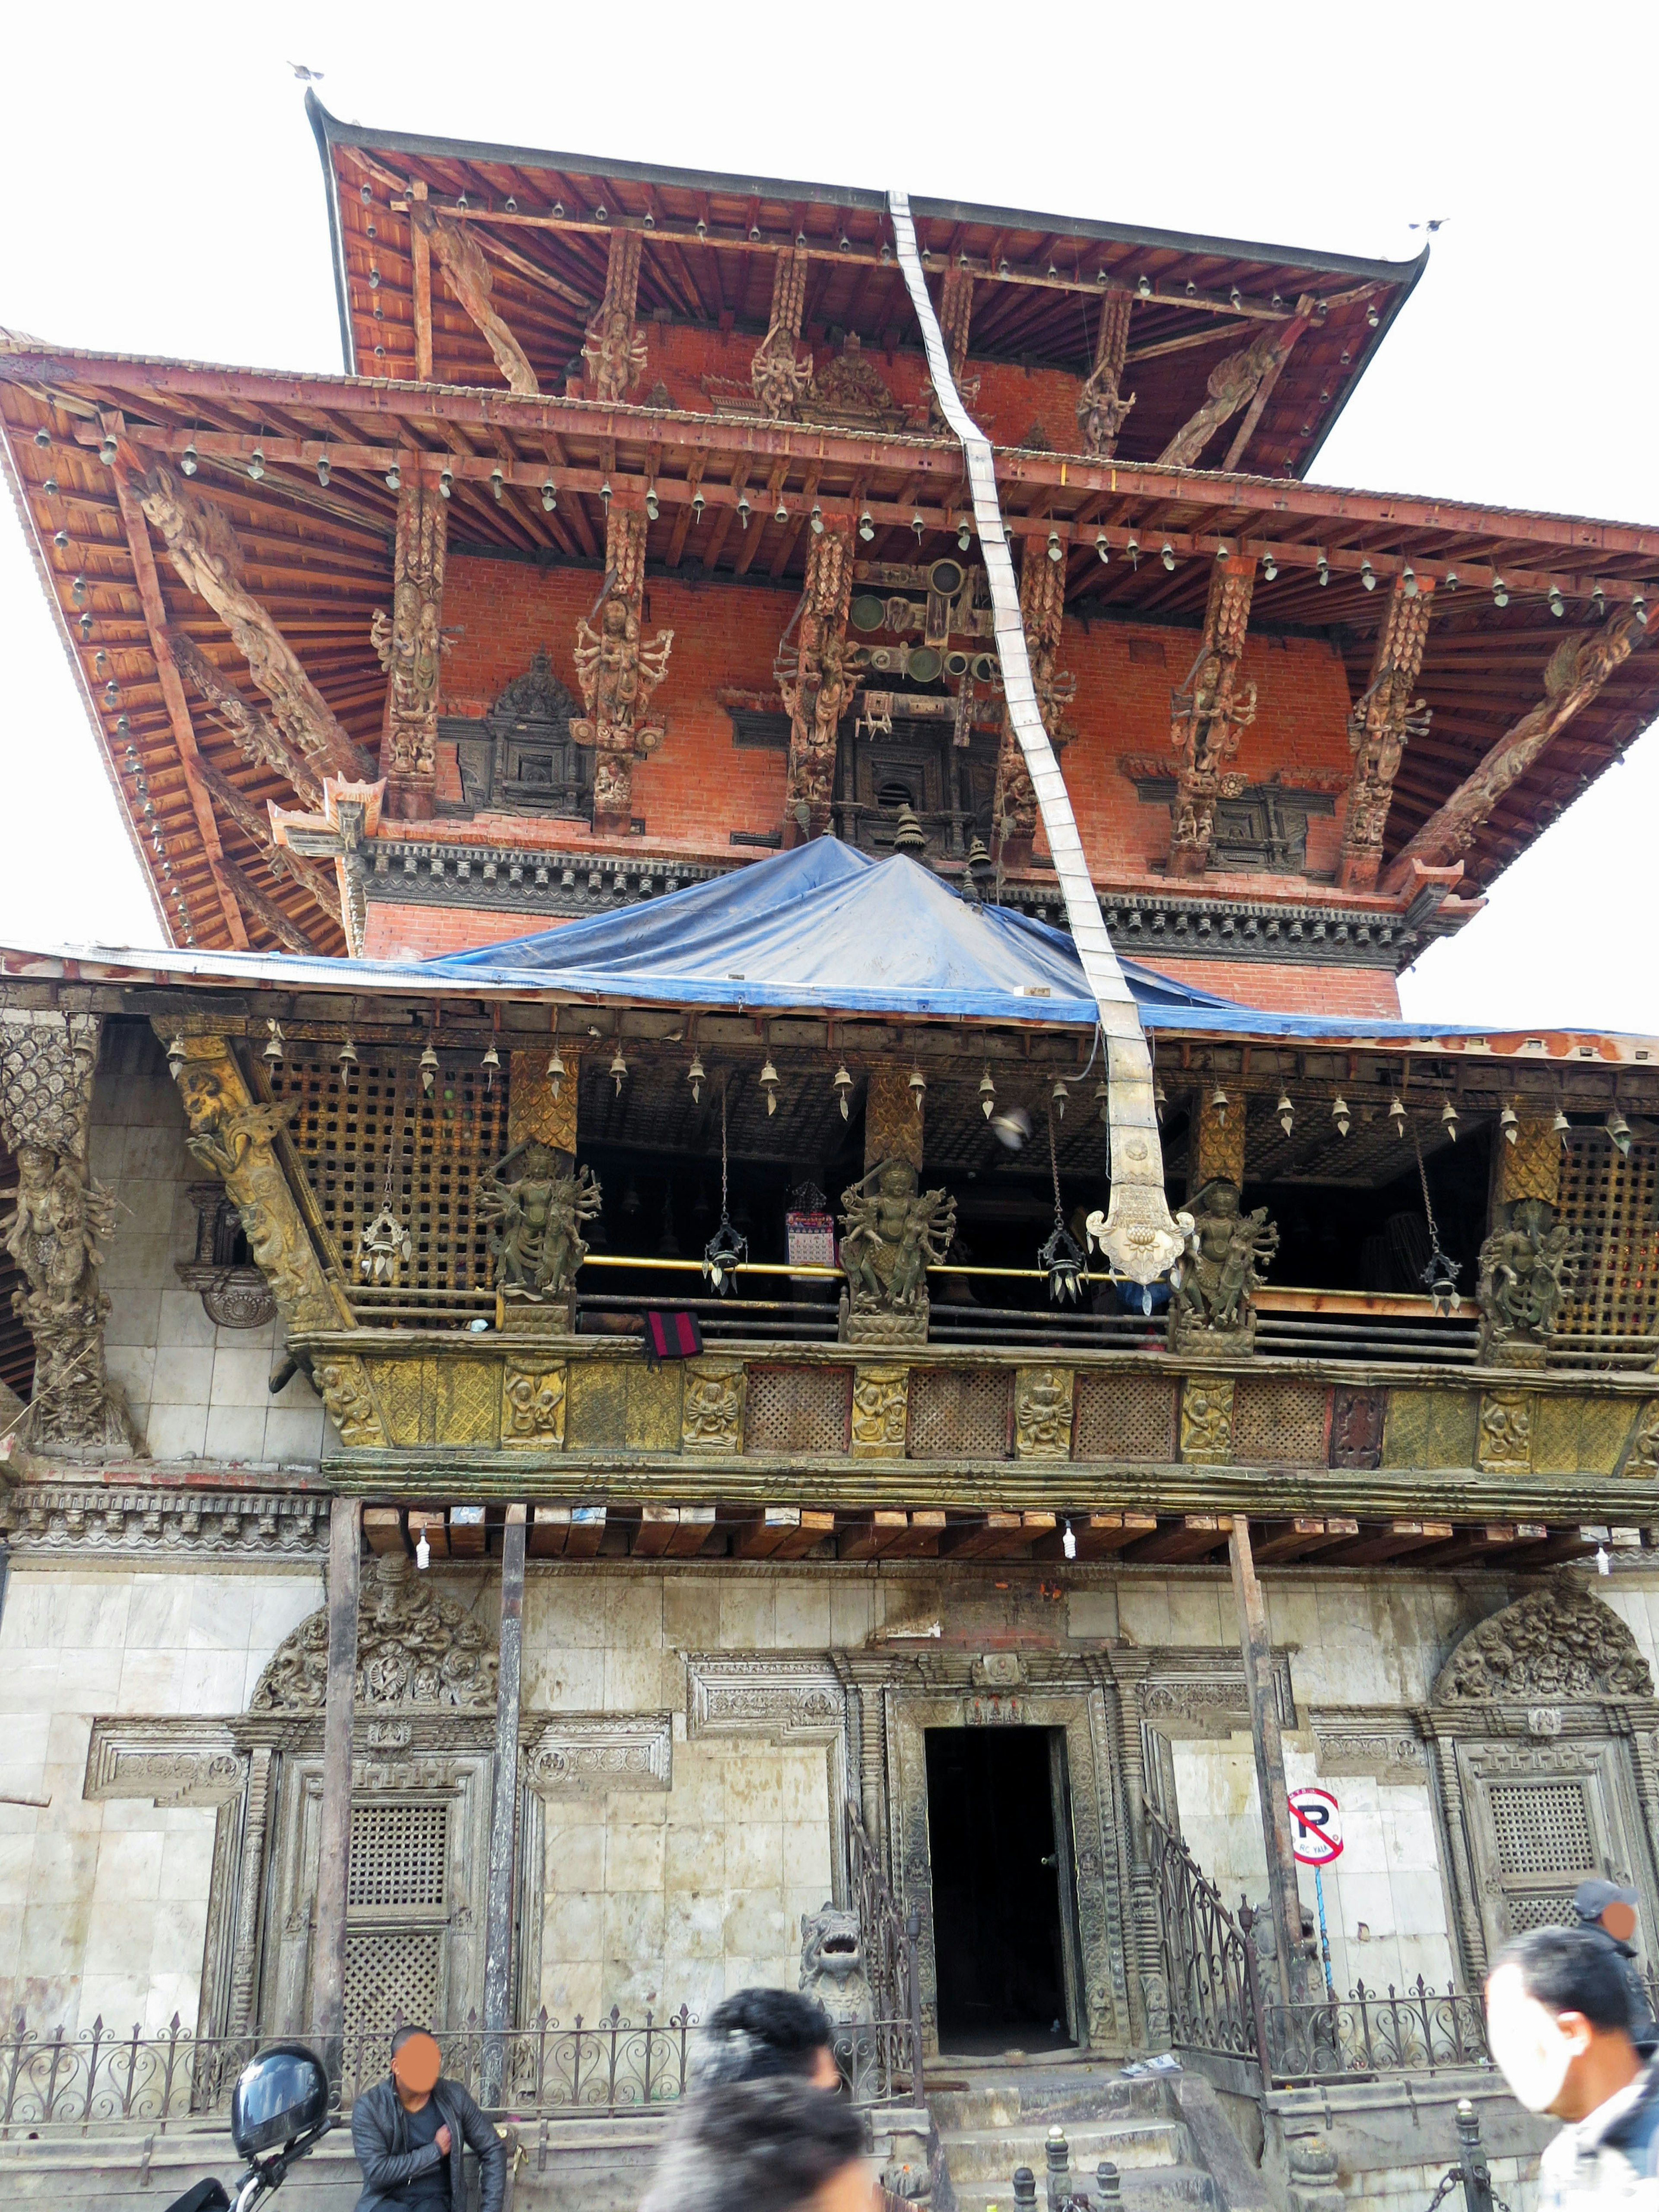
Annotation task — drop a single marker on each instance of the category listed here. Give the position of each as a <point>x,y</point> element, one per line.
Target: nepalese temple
<point>761,1286</point>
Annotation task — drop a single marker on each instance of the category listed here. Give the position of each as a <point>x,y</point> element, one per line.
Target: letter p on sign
<point>1316,1826</point>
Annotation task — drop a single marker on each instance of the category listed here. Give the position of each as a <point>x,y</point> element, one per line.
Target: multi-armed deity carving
<point>1207,715</point>
<point>1383,718</point>
<point>612,347</point>
<point>1529,1265</point>
<point>534,1208</point>
<point>780,376</point>
<point>55,1231</point>
<point>1102,410</point>
<point>892,1231</point>
<point>1225,1256</point>
<point>409,641</point>
<point>815,676</point>
<point>618,671</point>
<point>1042,610</point>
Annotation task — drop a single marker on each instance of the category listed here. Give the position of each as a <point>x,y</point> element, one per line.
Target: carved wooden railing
<point>1219,2003</point>
<point>894,2052</point>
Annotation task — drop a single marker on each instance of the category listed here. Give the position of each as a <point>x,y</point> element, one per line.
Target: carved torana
<point>415,1647</point>
<point>815,681</point>
<point>1102,410</point>
<point>1555,1645</point>
<point>618,671</point>
<point>891,1232</point>
<point>1043,611</point>
<point>613,349</point>
<point>467,275</point>
<point>780,376</point>
<point>534,1208</point>
<point>409,641</point>
<point>1208,715</point>
<point>1529,1265</point>
<point>1222,1262</point>
<point>208,558</point>
<point>1384,717</point>
<point>55,1231</point>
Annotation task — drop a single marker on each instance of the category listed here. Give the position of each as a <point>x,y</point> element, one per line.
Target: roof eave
<point>321,123</point>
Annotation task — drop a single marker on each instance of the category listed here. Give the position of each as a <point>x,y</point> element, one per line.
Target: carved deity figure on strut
<point>892,1232</point>
<point>534,1208</point>
<point>1226,1255</point>
<point>1528,1268</point>
<point>617,672</point>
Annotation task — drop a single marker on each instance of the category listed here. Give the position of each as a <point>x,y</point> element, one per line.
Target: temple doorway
<point>999,1822</point>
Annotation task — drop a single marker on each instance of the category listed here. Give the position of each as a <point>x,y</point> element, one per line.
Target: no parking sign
<point>1316,1826</point>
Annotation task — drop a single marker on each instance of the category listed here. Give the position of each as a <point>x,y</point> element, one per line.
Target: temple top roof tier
<point>709,247</point>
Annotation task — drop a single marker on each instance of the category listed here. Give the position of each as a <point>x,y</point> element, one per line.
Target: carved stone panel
<point>1641,1454</point>
<point>586,1754</point>
<point>711,1413</point>
<point>1206,1419</point>
<point>1556,1644</point>
<point>1043,1412</point>
<point>416,1648</point>
<point>779,1696</point>
<point>1505,1433</point>
<point>170,1762</point>
<point>881,1399</point>
<point>1381,1744</point>
<point>1357,1427</point>
<point>532,1403</point>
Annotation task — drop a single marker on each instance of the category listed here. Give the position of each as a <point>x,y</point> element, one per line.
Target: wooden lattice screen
<point>1613,1199</point>
<point>351,1119</point>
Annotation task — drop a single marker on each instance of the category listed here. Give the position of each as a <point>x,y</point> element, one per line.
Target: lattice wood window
<point>397,1911</point>
<point>399,1859</point>
<point>1614,1200</point>
<point>349,1119</point>
<point>1540,1830</point>
<point>392,1977</point>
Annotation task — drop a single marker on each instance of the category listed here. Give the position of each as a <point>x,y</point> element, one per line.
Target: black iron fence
<point>1222,2000</point>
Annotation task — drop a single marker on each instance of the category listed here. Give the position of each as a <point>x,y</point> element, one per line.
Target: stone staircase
<point>1000,2120</point>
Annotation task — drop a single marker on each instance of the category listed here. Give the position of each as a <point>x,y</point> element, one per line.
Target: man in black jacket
<point>408,2133</point>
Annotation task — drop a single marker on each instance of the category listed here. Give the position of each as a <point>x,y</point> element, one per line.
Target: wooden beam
<point>658,1525</point>
<point>466,1532</point>
<point>1264,391</point>
<point>1255,1647</point>
<point>586,1531</point>
<point>870,1534</point>
<point>503,1811</point>
<point>1301,1540</point>
<point>696,1527</point>
<point>549,1531</point>
<point>177,707</point>
<point>762,1534</point>
<point>1097,1535</point>
<point>266,912</point>
<point>428,1521</point>
<point>1194,1537</point>
<point>1394,1540</point>
<point>383,1527</point>
<point>328,1951</point>
<point>420,255</point>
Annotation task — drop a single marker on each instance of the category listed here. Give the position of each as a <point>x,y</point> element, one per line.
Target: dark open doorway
<point>998,1830</point>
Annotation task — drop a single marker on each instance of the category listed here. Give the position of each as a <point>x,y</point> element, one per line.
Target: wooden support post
<point>498,1897</point>
<point>420,254</point>
<point>1255,1645</point>
<point>328,1948</point>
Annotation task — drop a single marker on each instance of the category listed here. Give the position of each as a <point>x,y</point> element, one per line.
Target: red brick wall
<point>1288,989</point>
<point>421,932</point>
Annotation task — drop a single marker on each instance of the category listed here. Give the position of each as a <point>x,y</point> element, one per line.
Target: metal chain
<point>1423,1178</point>
<point>722,1148</point>
<point>1449,2181</point>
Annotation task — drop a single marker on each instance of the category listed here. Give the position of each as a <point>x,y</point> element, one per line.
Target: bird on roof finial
<point>311,76</point>
<point>1434,223</point>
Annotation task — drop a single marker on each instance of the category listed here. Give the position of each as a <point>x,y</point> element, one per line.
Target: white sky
<point>164,196</point>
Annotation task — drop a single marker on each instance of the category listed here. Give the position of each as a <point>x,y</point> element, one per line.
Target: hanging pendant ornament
<point>492,1065</point>
<point>697,1076</point>
<point>841,1084</point>
<point>385,1242</point>
<point>428,1068</point>
<point>725,1251</point>
<point>1062,1256</point>
<point>556,1068</point>
<point>917,1086</point>
<point>618,1068</point>
<point>988,1095</point>
<point>769,1084</point>
<point>1440,1274</point>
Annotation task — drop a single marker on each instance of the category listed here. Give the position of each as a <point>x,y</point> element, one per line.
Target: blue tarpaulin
<point>825,926</point>
<point>822,925</point>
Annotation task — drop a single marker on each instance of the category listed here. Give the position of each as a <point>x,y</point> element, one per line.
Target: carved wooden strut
<point>618,671</point>
<point>779,375</point>
<point>467,275</point>
<point>1042,610</point>
<point>613,349</point>
<point>815,682</point>
<point>1207,715</point>
<point>1234,383</point>
<point>410,642</point>
<point>204,552</point>
<point>1102,410</point>
<point>1382,721</point>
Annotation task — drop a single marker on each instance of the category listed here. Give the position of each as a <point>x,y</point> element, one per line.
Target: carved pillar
<point>334,1820</point>
<point>816,684</point>
<point>1217,1148</point>
<point>498,1903</point>
<point>614,351</point>
<point>777,374</point>
<point>872,1761</point>
<point>618,672</point>
<point>893,1117</point>
<point>1382,721</point>
<point>1207,715</point>
<point>1101,412</point>
<point>249,1890</point>
<point>1143,1941</point>
<point>1256,1647</point>
<point>56,1230</point>
<point>1043,611</point>
<point>408,641</point>
<point>1454,1833</point>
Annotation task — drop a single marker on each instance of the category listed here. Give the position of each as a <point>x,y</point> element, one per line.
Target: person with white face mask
<point>1559,2026</point>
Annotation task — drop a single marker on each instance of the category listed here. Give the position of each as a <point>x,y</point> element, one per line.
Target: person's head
<point>415,2061</point>
<point>759,2033</point>
<point>774,2144</point>
<point>1558,2020</point>
<point>1607,1905</point>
